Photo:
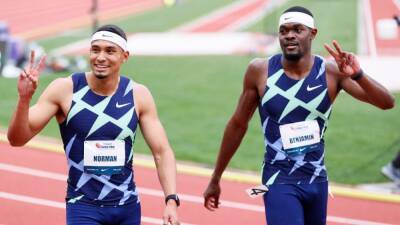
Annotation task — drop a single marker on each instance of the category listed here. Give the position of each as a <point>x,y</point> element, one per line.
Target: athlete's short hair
<point>299,9</point>
<point>112,28</point>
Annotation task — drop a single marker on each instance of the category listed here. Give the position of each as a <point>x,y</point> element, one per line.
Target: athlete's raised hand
<point>346,61</point>
<point>211,196</point>
<point>29,77</point>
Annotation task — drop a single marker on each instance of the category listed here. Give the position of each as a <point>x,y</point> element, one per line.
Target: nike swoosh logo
<point>122,105</point>
<point>288,18</point>
<point>313,88</point>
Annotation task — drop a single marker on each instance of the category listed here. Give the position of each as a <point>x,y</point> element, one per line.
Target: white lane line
<point>200,200</point>
<point>158,193</point>
<point>147,191</point>
<point>217,14</point>
<point>370,29</point>
<point>61,205</point>
<point>342,220</point>
<point>33,172</point>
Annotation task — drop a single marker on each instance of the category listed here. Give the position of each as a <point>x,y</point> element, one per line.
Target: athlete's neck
<point>300,68</point>
<point>105,86</point>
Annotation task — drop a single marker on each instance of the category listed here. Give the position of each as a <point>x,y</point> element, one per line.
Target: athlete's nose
<point>290,35</point>
<point>101,56</point>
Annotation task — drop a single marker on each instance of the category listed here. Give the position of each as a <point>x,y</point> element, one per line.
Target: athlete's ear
<point>314,32</point>
<point>126,56</point>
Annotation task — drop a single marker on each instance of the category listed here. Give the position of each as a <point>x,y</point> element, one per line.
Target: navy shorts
<point>78,214</point>
<point>296,204</point>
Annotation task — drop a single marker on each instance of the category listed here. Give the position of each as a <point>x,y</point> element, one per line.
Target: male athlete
<point>98,113</point>
<point>294,92</point>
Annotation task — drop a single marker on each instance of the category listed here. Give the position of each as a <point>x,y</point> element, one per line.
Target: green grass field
<point>343,29</point>
<point>195,97</point>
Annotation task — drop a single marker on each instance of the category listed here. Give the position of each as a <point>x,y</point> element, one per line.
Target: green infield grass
<point>195,96</point>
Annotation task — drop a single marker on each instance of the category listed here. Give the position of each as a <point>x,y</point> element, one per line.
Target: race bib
<point>301,137</point>
<point>104,157</point>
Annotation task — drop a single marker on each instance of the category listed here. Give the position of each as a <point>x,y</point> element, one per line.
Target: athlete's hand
<point>29,77</point>
<point>170,216</point>
<point>346,61</point>
<point>211,196</point>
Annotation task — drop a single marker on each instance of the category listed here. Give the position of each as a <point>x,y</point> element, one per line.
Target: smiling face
<point>295,40</point>
<point>106,58</point>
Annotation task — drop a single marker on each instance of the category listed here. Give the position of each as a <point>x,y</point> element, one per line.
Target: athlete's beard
<point>293,57</point>
<point>100,76</point>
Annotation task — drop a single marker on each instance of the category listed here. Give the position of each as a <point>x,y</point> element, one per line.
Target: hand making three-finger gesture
<point>29,77</point>
<point>346,61</point>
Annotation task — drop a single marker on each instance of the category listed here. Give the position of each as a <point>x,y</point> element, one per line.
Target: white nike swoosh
<point>122,105</point>
<point>313,88</point>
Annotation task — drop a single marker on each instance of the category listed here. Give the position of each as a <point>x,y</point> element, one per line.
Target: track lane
<point>237,208</point>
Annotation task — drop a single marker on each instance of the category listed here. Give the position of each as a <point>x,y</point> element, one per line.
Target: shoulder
<point>258,65</point>
<point>140,90</point>
<point>62,82</point>
<point>143,99</point>
<point>60,86</point>
<point>256,72</point>
<point>331,67</point>
<point>58,91</point>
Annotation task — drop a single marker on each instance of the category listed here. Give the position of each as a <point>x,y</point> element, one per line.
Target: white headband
<point>297,17</point>
<point>111,37</point>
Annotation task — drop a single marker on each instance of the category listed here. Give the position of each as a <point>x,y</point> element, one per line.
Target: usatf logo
<point>104,146</point>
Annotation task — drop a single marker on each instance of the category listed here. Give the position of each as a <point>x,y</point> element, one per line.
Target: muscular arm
<point>253,87</point>
<point>156,138</point>
<point>27,121</point>
<point>345,66</point>
<point>254,81</point>
<point>365,89</point>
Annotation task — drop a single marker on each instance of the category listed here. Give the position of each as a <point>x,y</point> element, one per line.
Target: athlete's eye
<point>94,50</point>
<point>111,51</point>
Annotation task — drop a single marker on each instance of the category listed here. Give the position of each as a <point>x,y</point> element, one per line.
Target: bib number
<point>104,157</point>
<point>301,137</point>
<point>257,191</point>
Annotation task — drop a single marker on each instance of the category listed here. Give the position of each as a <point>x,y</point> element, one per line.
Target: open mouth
<point>100,67</point>
<point>291,46</point>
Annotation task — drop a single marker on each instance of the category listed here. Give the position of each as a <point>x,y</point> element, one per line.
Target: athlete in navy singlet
<point>294,92</point>
<point>98,114</point>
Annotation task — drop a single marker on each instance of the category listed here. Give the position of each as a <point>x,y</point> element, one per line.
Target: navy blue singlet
<point>95,118</point>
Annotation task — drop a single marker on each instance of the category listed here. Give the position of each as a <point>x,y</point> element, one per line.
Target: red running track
<point>229,17</point>
<point>35,18</point>
<point>31,178</point>
<point>385,9</point>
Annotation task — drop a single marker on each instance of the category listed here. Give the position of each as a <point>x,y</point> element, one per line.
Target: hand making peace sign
<point>346,61</point>
<point>29,77</point>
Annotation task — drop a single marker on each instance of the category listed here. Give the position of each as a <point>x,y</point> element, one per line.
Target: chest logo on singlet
<point>122,105</point>
<point>313,88</point>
